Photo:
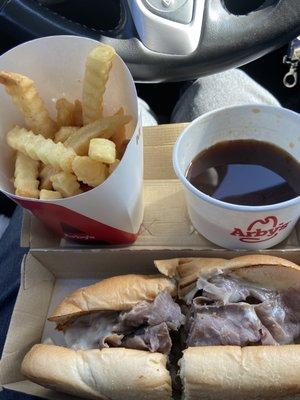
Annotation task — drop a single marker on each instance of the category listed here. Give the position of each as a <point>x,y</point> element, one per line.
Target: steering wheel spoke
<point>179,26</point>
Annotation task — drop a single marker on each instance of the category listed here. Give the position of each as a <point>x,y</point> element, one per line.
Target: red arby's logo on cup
<point>260,230</point>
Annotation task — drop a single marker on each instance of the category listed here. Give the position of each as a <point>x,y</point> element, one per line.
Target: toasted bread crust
<point>113,294</point>
<point>231,372</point>
<point>268,271</point>
<point>116,373</point>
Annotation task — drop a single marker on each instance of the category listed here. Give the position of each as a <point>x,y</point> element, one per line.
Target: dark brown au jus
<point>246,172</point>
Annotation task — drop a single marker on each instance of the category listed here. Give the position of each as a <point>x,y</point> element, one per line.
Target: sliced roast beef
<point>136,341</point>
<point>231,311</point>
<point>280,321</point>
<point>231,324</point>
<point>153,338</point>
<point>162,309</point>
<point>145,327</point>
<point>228,289</point>
<point>291,299</point>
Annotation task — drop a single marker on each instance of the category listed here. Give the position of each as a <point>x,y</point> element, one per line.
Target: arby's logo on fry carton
<point>260,230</point>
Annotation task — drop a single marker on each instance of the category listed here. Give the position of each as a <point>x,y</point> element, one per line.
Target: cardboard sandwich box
<point>166,223</point>
<point>48,275</point>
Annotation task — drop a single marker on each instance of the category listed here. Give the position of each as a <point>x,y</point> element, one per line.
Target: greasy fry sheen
<point>89,171</point>
<point>26,97</point>
<point>66,184</point>
<point>97,67</point>
<point>46,171</point>
<point>26,173</point>
<point>39,148</point>
<point>104,127</point>
<point>65,132</point>
<point>102,150</point>
<point>49,195</point>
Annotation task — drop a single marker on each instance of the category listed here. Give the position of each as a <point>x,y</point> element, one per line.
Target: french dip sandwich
<point>117,335</point>
<point>243,323</point>
<point>239,323</point>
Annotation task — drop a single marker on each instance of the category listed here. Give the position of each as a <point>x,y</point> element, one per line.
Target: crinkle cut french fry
<point>89,171</point>
<point>68,114</point>
<point>26,173</point>
<point>121,140</point>
<point>39,148</point>
<point>77,114</point>
<point>46,171</point>
<point>65,112</point>
<point>66,184</point>
<point>49,195</point>
<point>104,127</point>
<point>102,150</point>
<point>26,97</point>
<point>97,67</point>
<point>65,132</point>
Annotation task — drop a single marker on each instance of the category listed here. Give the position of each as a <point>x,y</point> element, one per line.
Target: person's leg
<point>7,207</point>
<point>228,88</point>
<point>4,221</point>
<point>10,261</point>
<point>147,115</point>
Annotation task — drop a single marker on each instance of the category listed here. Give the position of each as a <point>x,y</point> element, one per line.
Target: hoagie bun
<point>268,271</point>
<point>99,374</point>
<point>118,293</point>
<point>248,373</point>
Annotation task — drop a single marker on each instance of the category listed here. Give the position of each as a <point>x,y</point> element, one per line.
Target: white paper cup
<point>229,225</point>
<point>113,211</point>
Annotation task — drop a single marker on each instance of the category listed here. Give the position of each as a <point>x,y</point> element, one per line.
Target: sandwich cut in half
<point>242,327</point>
<point>239,323</point>
<point>117,340</point>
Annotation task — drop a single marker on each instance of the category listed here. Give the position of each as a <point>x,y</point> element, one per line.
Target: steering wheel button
<point>174,10</point>
<point>178,22</point>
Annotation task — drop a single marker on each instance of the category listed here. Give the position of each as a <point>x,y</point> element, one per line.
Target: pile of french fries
<point>77,151</point>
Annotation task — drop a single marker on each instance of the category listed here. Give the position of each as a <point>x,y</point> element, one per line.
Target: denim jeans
<point>10,263</point>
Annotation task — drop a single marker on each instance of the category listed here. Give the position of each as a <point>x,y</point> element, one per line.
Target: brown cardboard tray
<point>166,223</point>
<point>46,278</point>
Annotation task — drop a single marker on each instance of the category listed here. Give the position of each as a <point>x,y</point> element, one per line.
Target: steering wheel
<point>171,40</point>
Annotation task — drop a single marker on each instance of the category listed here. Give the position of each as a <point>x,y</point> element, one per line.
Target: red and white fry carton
<point>111,212</point>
